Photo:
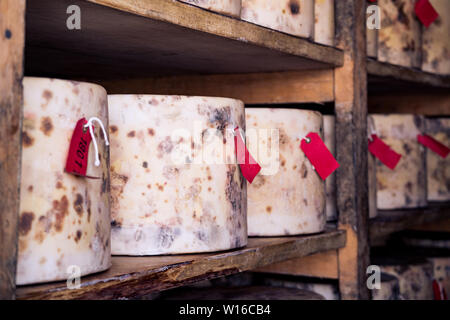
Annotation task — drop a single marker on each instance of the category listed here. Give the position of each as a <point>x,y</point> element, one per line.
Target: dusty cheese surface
<point>329,123</point>
<point>324,22</point>
<point>288,196</point>
<point>438,168</point>
<point>436,41</point>
<point>227,7</point>
<point>64,220</point>
<point>405,186</point>
<point>176,187</point>
<point>295,17</point>
<point>399,38</point>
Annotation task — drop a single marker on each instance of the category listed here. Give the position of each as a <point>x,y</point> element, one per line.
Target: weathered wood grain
<point>123,39</point>
<point>390,221</point>
<point>314,86</point>
<point>132,277</point>
<point>11,71</point>
<point>351,149</point>
<point>319,265</point>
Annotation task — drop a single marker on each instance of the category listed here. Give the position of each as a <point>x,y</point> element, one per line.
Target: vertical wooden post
<point>12,35</point>
<point>351,113</point>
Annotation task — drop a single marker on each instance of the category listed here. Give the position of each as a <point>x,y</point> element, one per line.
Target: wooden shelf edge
<point>390,221</point>
<point>192,17</point>
<point>402,74</point>
<point>131,277</point>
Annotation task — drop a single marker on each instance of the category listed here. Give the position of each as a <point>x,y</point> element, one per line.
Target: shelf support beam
<point>12,28</point>
<point>351,132</point>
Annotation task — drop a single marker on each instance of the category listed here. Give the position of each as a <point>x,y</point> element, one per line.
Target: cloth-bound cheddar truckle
<point>295,17</point>
<point>288,196</point>
<point>405,185</point>
<point>176,186</point>
<point>64,222</point>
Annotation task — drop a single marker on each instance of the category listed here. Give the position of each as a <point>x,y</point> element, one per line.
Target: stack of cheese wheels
<point>436,41</point>
<point>324,22</point>
<point>330,184</point>
<point>176,187</point>
<point>64,219</point>
<point>227,7</point>
<point>288,196</point>
<point>415,275</point>
<point>405,186</point>
<point>399,36</point>
<point>371,30</point>
<point>389,288</point>
<point>438,168</point>
<point>290,16</point>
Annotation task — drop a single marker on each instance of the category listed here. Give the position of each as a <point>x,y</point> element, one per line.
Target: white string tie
<point>91,131</point>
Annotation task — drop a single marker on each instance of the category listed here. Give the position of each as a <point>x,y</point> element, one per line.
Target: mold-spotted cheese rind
<point>399,36</point>
<point>436,41</point>
<point>324,22</point>
<point>415,280</point>
<point>438,168</point>
<point>227,7</point>
<point>295,17</point>
<point>405,186</point>
<point>330,183</point>
<point>389,288</point>
<point>64,220</point>
<point>167,199</point>
<point>287,197</point>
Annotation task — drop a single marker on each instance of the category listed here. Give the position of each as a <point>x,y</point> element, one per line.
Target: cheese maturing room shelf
<point>169,47</point>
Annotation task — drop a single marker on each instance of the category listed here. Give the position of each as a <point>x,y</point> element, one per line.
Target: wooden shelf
<point>131,277</point>
<point>390,221</point>
<point>385,77</point>
<point>124,39</point>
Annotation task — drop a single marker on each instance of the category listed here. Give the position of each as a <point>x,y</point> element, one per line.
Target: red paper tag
<point>383,152</point>
<point>249,167</point>
<point>77,159</point>
<point>425,12</point>
<point>433,145</point>
<point>318,154</point>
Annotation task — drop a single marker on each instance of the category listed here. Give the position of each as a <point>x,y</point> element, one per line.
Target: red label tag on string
<point>249,167</point>
<point>425,12</point>
<point>77,159</point>
<point>318,154</point>
<point>433,145</point>
<point>383,152</point>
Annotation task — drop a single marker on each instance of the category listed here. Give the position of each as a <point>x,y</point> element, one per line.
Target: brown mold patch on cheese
<point>303,171</point>
<point>170,172</point>
<point>118,182</point>
<point>25,221</point>
<point>78,236</point>
<point>165,146</point>
<point>59,185</point>
<point>30,188</point>
<point>131,134</point>
<point>151,132</point>
<point>294,7</point>
<point>259,181</point>
<point>60,210</point>
<point>269,209</point>
<point>47,95</point>
<point>221,118</point>
<point>27,140</point>
<point>78,204</point>
<point>46,126</point>
<point>113,129</point>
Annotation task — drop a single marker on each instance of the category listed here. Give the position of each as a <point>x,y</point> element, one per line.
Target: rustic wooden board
<point>319,265</point>
<point>390,221</point>
<point>11,71</point>
<point>311,86</point>
<point>132,277</point>
<point>125,39</point>
<point>351,149</point>
<point>387,77</point>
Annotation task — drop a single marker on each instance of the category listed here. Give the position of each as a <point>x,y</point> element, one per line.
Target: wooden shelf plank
<point>390,221</point>
<point>131,277</point>
<point>384,77</point>
<point>125,39</point>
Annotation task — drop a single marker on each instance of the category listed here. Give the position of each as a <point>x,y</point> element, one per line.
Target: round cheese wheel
<point>287,197</point>
<point>64,222</point>
<point>176,187</point>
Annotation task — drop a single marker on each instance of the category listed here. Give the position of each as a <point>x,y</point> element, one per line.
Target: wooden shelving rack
<point>167,47</point>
